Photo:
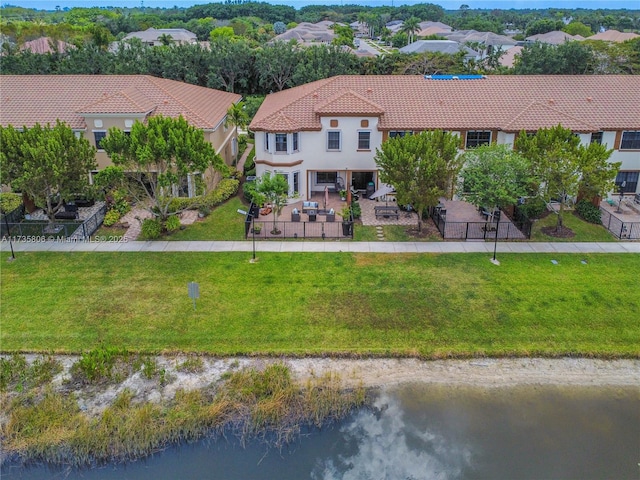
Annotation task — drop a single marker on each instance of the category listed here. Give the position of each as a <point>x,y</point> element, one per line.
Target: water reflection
<point>426,432</point>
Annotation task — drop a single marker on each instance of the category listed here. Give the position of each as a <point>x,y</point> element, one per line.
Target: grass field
<point>584,231</point>
<point>428,305</point>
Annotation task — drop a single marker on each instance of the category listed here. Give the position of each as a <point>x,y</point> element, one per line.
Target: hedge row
<point>226,189</point>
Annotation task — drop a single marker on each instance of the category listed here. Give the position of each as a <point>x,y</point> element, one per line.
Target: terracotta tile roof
<point>29,99</point>
<point>348,100</point>
<point>613,36</point>
<point>491,103</point>
<point>545,116</point>
<point>43,45</point>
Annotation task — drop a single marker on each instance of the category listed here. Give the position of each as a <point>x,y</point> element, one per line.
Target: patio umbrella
<point>382,191</point>
<point>326,197</point>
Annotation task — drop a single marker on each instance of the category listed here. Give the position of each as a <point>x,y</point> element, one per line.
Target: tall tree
<point>494,176</point>
<point>421,167</point>
<point>411,26</point>
<point>230,64</point>
<point>237,116</point>
<point>562,166</point>
<point>49,164</point>
<point>157,155</point>
<point>276,64</point>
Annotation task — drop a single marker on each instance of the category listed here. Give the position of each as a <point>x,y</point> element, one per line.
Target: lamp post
<point>495,242</point>
<point>622,185</point>
<point>253,232</point>
<point>13,256</point>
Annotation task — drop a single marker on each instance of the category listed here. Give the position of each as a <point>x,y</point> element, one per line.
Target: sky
<point>446,4</point>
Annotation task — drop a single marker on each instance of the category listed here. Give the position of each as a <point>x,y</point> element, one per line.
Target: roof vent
<point>589,99</point>
<point>551,101</point>
<point>369,90</point>
<point>315,95</point>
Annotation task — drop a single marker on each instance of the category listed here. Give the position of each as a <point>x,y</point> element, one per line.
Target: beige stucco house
<point>91,104</point>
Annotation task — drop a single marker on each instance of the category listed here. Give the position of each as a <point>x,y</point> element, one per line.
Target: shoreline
<point>371,373</point>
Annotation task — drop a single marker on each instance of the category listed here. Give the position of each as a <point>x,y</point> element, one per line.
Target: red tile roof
<point>29,99</point>
<point>508,102</point>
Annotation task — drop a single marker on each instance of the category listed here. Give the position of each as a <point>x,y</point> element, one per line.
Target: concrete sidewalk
<point>325,246</point>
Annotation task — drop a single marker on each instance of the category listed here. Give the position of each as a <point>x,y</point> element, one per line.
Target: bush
<point>151,229</point>
<point>111,218</point>
<point>588,212</point>
<point>97,365</point>
<point>172,224</point>
<point>356,209</point>
<point>533,208</point>
<point>9,202</point>
<point>227,188</point>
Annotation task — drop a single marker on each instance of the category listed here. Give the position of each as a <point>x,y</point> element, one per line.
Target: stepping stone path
<point>380,232</point>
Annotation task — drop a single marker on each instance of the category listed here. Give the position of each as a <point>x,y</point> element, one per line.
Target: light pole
<point>622,185</point>
<point>253,232</point>
<point>13,256</point>
<point>495,242</point>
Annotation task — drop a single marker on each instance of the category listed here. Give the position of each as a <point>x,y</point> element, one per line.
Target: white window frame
<point>295,142</point>
<point>279,143</point>
<point>368,148</point>
<point>339,133</point>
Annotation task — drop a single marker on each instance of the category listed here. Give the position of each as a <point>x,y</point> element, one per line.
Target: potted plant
<point>257,229</point>
<point>343,194</point>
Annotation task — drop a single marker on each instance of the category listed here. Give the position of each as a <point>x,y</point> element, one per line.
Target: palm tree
<point>411,26</point>
<point>165,39</point>
<point>237,116</point>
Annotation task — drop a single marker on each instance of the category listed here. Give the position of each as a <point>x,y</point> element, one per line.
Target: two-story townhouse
<point>326,133</point>
<point>91,104</point>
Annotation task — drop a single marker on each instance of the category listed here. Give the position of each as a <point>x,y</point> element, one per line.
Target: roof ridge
<point>547,107</point>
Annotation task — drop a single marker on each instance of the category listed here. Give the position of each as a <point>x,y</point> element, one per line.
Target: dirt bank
<point>368,373</point>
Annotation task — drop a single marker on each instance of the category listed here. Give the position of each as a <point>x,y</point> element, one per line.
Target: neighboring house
<point>327,130</point>
<point>44,45</point>
<point>309,33</point>
<point>489,41</point>
<point>439,46</point>
<point>91,104</point>
<point>613,36</point>
<point>152,36</point>
<point>554,38</point>
<point>439,25</point>
<point>508,58</point>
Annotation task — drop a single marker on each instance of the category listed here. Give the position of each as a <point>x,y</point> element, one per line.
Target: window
<point>266,141</point>
<point>475,138</point>
<point>596,137</point>
<point>295,142</point>
<point>399,133</point>
<point>98,137</point>
<point>364,140</point>
<point>326,177</point>
<point>281,142</point>
<point>630,180</point>
<point>630,141</point>
<point>333,140</point>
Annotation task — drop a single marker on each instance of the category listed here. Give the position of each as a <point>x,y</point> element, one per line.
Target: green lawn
<point>584,231</point>
<point>430,305</point>
<point>224,223</point>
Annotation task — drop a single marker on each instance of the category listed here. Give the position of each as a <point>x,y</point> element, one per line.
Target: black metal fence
<point>618,227</point>
<point>14,216</point>
<point>483,230</point>
<point>39,230</point>
<point>268,229</point>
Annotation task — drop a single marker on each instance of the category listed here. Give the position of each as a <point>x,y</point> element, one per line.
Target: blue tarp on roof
<point>453,77</point>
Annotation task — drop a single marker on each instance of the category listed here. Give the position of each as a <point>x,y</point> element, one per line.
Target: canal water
<point>423,432</point>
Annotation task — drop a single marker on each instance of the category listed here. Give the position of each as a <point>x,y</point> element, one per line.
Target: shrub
<point>533,208</point>
<point>588,212</point>
<point>172,224</point>
<point>9,202</point>
<point>96,365</point>
<point>111,218</point>
<point>151,229</point>
<point>225,190</point>
<point>356,209</point>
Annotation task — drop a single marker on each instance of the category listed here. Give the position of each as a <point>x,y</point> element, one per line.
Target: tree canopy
<point>420,167</point>
<point>49,164</point>
<point>562,166</point>
<point>157,155</point>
